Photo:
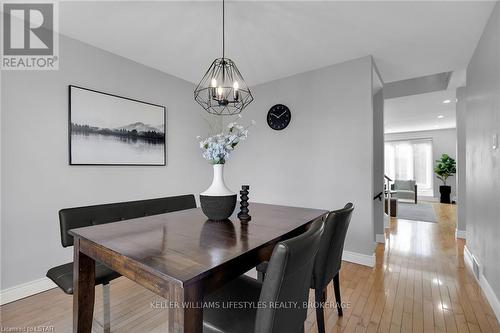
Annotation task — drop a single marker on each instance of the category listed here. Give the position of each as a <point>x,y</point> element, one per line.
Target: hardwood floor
<point>420,284</point>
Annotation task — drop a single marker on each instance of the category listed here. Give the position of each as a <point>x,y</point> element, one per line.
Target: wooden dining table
<point>180,256</point>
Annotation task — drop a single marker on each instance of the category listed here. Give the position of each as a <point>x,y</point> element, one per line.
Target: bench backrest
<point>78,217</point>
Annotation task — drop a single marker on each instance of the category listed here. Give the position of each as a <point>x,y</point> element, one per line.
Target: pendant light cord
<point>223,28</point>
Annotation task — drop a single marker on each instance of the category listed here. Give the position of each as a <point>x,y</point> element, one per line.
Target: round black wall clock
<point>279,117</point>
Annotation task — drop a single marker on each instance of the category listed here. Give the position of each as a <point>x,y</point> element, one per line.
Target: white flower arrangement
<point>217,148</point>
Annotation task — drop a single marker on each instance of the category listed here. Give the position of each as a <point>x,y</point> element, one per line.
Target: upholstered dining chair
<point>287,284</point>
<point>327,262</point>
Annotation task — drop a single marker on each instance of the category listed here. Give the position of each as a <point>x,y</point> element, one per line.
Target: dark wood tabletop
<point>181,255</point>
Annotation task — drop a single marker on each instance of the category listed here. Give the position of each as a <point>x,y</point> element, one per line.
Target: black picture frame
<point>70,130</point>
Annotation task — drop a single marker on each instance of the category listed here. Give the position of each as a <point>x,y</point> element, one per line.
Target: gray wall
<point>443,141</point>
<point>323,158</point>
<point>461,158</point>
<point>36,178</point>
<point>483,163</point>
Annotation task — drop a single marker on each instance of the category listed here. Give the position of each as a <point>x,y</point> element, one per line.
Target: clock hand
<point>281,114</point>
<point>272,114</point>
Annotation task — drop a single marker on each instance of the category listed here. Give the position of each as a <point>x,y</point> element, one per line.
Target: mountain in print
<point>141,127</point>
<point>135,130</point>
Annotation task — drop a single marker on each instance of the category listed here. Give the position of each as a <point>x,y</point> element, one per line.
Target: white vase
<point>218,187</point>
<point>218,202</point>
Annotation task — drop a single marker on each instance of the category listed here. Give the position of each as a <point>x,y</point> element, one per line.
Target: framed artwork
<point>106,129</point>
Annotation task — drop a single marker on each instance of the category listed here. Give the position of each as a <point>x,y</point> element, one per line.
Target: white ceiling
<point>271,40</point>
<point>420,112</point>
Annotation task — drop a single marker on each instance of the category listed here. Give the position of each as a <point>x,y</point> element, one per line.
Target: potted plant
<point>445,167</point>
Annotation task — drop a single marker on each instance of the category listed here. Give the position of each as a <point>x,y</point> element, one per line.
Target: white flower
<point>218,147</point>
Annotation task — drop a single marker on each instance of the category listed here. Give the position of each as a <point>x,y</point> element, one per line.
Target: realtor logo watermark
<point>30,40</point>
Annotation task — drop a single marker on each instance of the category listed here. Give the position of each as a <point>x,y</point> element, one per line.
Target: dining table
<point>180,256</point>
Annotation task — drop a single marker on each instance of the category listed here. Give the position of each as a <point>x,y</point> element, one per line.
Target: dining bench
<point>78,217</point>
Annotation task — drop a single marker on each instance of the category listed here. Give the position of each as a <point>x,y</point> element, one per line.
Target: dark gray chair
<point>288,278</point>
<point>71,218</point>
<point>328,260</point>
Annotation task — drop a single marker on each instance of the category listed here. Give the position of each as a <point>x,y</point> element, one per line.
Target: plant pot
<point>218,202</point>
<point>445,191</point>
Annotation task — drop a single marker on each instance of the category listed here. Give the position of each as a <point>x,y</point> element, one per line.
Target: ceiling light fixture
<point>222,90</point>
<point>440,116</point>
<point>446,101</point>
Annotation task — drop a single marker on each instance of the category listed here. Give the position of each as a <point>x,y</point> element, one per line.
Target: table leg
<point>83,290</point>
<point>187,316</point>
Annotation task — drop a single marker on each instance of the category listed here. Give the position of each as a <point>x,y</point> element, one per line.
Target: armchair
<point>405,189</point>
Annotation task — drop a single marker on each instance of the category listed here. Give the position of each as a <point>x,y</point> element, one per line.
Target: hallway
<point>420,284</point>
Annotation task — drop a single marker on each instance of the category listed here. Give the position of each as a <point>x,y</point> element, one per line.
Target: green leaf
<point>445,167</point>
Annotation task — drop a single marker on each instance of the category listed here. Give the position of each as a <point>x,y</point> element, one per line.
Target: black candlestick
<point>243,214</point>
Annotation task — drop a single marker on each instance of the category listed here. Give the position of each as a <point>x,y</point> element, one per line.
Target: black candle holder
<point>243,214</point>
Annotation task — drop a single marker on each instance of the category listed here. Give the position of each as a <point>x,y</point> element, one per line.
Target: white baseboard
<point>427,198</point>
<point>380,238</point>
<point>468,258</point>
<point>460,234</point>
<point>25,289</point>
<point>484,284</point>
<point>490,295</point>
<point>358,258</point>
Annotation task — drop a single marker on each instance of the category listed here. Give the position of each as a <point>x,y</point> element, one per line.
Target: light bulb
<point>214,83</point>
<point>236,95</point>
<point>220,91</point>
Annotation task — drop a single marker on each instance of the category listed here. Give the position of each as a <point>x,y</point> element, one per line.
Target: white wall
<point>36,178</point>
<point>461,111</point>
<point>444,141</point>
<point>324,157</point>
<point>483,163</point>
<point>378,154</point>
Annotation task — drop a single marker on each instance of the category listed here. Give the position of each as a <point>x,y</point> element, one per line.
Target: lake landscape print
<point>106,129</point>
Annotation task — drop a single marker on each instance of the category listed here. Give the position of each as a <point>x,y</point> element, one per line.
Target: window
<point>410,160</point>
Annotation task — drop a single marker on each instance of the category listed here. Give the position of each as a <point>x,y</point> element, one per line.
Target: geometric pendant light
<point>222,90</point>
